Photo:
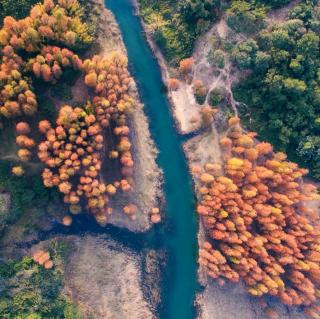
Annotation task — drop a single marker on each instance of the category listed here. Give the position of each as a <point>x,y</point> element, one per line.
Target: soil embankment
<point>147,175</point>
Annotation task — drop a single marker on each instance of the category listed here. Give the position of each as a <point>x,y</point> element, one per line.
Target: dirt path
<point>213,79</point>
<point>279,15</point>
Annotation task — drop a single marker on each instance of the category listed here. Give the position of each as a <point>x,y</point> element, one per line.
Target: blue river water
<point>179,233</point>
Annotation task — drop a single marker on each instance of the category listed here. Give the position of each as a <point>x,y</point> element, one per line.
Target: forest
<point>260,228</point>
<point>279,94</point>
<point>280,98</point>
<point>31,291</point>
<point>177,24</point>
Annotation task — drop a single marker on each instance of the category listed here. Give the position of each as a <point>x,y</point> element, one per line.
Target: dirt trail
<point>279,15</point>
<point>213,79</point>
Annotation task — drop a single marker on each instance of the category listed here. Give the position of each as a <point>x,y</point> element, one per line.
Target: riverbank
<point>115,288</point>
<point>147,192</point>
<point>184,108</point>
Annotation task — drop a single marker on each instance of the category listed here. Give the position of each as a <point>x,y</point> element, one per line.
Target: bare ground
<point>104,278</point>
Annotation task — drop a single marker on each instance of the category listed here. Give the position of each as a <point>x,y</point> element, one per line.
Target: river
<point>179,236</point>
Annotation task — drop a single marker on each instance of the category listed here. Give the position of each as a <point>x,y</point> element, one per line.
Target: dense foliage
<point>26,192</point>
<point>21,44</point>
<point>259,226</point>
<point>74,143</point>
<point>282,94</point>
<point>177,24</point>
<point>15,8</point>
<point>246,17</point>
<point>29,291</point>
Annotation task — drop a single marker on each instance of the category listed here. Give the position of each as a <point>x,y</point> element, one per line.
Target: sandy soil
<point>147,175</point>
<point>104,278</point>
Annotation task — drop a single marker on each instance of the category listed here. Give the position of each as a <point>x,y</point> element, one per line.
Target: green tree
<point>246,17</point>
<point>244,54</point>
<point>15,8</point>
<point>216,58</point>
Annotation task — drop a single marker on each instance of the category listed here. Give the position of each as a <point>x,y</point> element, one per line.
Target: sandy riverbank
<point>147,191</point>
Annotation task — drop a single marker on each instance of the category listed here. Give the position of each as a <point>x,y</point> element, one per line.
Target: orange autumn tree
<point>40,48</point>
<point>112,102</point>
<point>258,224</point>
<point>186,66</point>
<point>173,84</point>
<point>51,63</point>
<point>58,22</point>
<point>73,150</point>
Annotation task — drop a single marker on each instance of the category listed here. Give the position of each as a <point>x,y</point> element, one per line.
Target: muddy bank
<point>105,279</point>
<point>147,175</point>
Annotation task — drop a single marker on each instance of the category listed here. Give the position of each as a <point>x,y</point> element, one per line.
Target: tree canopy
<point>283,90</point>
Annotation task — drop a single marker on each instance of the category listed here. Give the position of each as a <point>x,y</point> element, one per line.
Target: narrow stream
<point>180,238</point>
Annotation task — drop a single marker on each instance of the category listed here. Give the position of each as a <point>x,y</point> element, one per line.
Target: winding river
<point>179,236</point>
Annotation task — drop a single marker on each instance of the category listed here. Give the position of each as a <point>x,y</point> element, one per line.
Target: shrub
<point>216,96</point>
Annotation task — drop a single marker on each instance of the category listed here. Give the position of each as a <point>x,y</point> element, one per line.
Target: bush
<point>216,58</point>
<point>245,17</point>
<point>216,96</point>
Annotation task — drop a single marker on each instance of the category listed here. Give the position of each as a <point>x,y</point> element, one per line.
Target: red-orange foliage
<point>48,22</point>
<point>51,63</point>
<point>16,96</point>
<point>199,88</point>
<point>76,130</point>
<point>111,82</point>
<point>43,258</point>
<point>186,65</point>
<point>173,84</point>
<point>73,148</point>
<point>255,222</point>
<point>25,141</point>
<point>23,128</point>
<point>44,126</point>
<point>207,114</point>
